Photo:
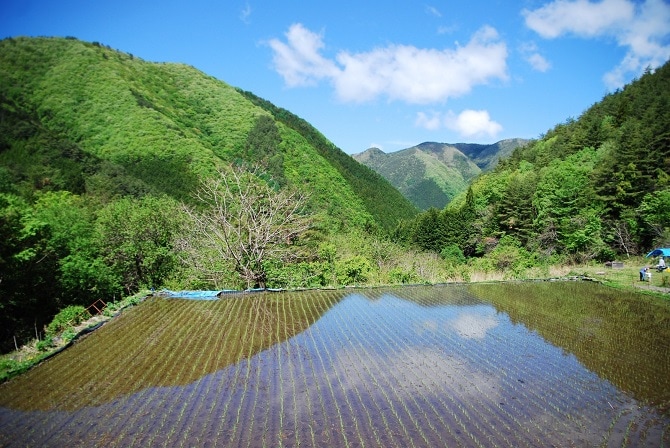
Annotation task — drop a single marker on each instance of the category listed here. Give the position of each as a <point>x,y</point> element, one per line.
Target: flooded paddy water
<point>524,365</point>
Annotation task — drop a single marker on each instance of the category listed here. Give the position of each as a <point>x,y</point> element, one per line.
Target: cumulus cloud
<point>538,62</point>
<point>580,17</point>
<point>397,72</point>
<point>473,123</point>
<point>432,121</point>
<point>298,61</point>
<point>642,28</point>
<point>534,58</point>
<point>469,123</point>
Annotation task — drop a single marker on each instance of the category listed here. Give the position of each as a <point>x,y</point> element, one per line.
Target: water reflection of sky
<point>381,371</point>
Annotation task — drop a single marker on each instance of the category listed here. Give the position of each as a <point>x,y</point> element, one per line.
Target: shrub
<point>67,317</point>
<point>353,270</point>
<point>45,344</point>
<point>453,255</point>
<point>399,275</point>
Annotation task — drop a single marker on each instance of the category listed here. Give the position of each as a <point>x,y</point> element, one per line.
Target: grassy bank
<point>628,276</point>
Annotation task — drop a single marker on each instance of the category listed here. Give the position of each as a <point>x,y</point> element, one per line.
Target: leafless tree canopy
<point>246,222</point>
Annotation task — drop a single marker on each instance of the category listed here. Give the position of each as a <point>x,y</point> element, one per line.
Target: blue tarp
<point>207,295</point>
<point>194,295</point>
<point>658,252</point>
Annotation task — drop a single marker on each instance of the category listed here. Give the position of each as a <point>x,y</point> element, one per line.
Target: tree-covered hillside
<point>432,174</point>
<point>101,156</point>
<point>378,195</point>
<point>138,127</point>
<point>597,187</point>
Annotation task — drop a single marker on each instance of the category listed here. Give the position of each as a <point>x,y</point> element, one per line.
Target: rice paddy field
<point>540,364</point>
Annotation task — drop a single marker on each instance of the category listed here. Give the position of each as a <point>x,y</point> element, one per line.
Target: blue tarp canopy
<point>658,252</point>
<point>195,295</point>
<point>207,295</point>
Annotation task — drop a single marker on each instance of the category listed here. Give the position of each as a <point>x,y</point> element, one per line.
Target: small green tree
<point>353,270</point>
<point>136,239</point>
<point>655,212</point>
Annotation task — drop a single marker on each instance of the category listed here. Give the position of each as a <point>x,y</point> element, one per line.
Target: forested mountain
<point>101,153</point>
<point>596,187</point>
<point>432,174</point>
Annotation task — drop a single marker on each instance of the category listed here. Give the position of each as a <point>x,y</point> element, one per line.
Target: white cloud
<point>469,123</point>
<point>432,122</point>
<point>580,17</point>
<point>538,62</point>
<point>245,14</point>
<point>433,11</point>
<point>473,123</point>
<point>642,28</point>
<point>398,72</point>
<point>299,61</point>
<point>530,53</point>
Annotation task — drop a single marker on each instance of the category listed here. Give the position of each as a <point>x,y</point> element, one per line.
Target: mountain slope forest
<point>432,174</point>
<point>592,188</point>
<point>104,159</point>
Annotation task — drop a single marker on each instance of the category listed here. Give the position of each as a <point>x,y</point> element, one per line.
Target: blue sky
<point>368,74</point>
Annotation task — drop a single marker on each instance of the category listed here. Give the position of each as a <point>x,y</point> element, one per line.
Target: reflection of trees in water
<point>424,295</point>
<point>164,343</point>
<point>622,336</point>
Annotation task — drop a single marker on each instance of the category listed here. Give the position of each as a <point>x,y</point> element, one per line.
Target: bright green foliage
<point>591,188</point>
<point>383,202</point>
<point>453,254</point>
<point>354,270</point>
<point>262,148</point>
<point>655,212</point>
<point>67,317</point>
<point>136,239</point>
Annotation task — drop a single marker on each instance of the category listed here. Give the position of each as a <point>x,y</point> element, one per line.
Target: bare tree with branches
<point>246,222</point>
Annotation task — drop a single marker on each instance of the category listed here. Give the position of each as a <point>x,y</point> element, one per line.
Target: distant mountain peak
<point>431,174</point>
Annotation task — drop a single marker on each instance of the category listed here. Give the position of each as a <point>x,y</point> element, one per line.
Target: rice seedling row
<point>242,404</point>
<point>391,346</point>
<point>378,327</point>
<point>222,347</point>
<point>310,345</point>
<point>474,408</point>
<point>201,389</point>
<point>262,394</point>
<point>294,361</point>
<point>373,370</point>
<point>423,387</point>
<point>356,361</point>
<point>176,361</point>
<point>306,374</point>
<point>418,390</point>
<point>205,411</point>
<point>282,411</point>
<point>329,365</point>
<point>226,427</point>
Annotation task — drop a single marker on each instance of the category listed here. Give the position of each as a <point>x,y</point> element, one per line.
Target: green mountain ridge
<point>85,118</point>
<point>432,174</point>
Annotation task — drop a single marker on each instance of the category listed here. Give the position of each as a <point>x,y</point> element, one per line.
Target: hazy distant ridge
<point>431,174</point>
